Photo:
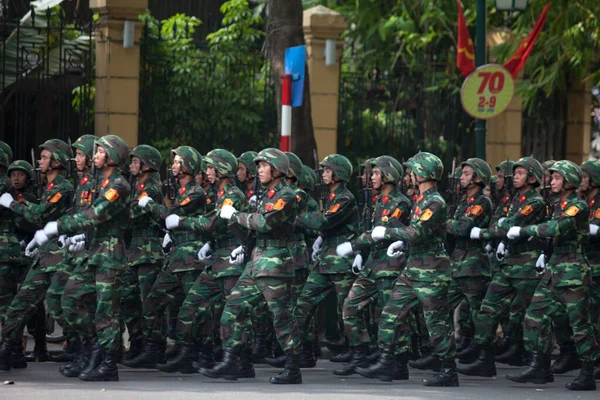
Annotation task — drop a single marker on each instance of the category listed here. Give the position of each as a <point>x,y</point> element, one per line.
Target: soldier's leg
<point>537,326</point>
<point>433,297</point>
<point>164,291</point>
<point>595,306</point>
<point>79,300</point>
<point>394,315</point>
<point>314,292</point>
<point>496,302</point>
<point>362,294</point>
<point>455,297</point>
<point>108,304</point>
<point>474,289</point>
<point>130,302</point>
<point>576,301</point>
<point>8,288</point>
<point>342,285</point>
<point>54,300</point>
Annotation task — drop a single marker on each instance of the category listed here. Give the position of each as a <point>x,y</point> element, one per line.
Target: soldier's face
<point>376,178</point>
<point>264,172</point>
<point>199,178</point>
<point>557,182</point>
<point>413,179</point>
<point>466,179</point>
<point>135,166</point>
<point>80,160</point>
<point>176,166</point>
<point>242,172</point>
<point>327,175</point>
<point>211,174</point>
<point>585,182</point>
<point>45,160</point>
<point>407,178</point>
<point>519,177</point>
<point>500,181</point>
<point>18,178</point>
<point>364,177</point>
<point>100,158</point>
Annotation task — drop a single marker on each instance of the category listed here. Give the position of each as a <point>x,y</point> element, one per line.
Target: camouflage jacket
<point>223,239</point>
<point>391,210</point>
<point>81,201</point>
<point>190,201</point>
<point>501,210</point>
<point>146,233</point>
<point>424,238</point>
<point>56,201</point>
<point>109,216</point>
<point>525,209</point>
<point>23,228</point>
<point>469,257</point>
<point>593,248</point>
<point>569,230</point>
<point>11,250</point>
<point>338,224</point>
<point>298,243</point>
<point>273,224</point>
<point>211,198</point>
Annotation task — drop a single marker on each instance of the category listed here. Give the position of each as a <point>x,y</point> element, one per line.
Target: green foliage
<point>83,102</point>
<point>218,96</point>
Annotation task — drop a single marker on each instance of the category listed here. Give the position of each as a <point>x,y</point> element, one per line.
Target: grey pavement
<point>42,381</point>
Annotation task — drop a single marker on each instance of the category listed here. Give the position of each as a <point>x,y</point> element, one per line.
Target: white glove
<point>378,233</point>
<point>63,241</point>
<point>318,245</point>
<point>23,244</point>
<point>237,256</point>
<point>77,238</point>
<point>205,252</point>
<point>594,229</point>
<point>514,232</point>
<point>395,249</point>
<point>40,237</point>
<point>77,246</point>
<point>51,229</point>
<point>540,264</point>
<point>501,251</point>
<point>357,265</point>
<point>6,199</point>
<point>314,256</point>
<point>488,248</point>
<point>172,221</point>
<point>501,220</point>
<point>31,247</point>
<point>344,249</point>
<point>167,240</point>
<point>143,202</point>
<point>227,212</point>
<point>253,200</point>
<point>475,233</point>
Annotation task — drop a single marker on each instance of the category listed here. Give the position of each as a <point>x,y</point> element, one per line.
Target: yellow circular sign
<point>487,91</point>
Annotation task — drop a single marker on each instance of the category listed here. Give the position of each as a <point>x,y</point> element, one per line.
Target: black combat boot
<point>484,366</point>
<point>182,361</point>
<point>95,355</point>
<point>206,357</point>
<point>291,373</point>
<point>597,369</point>
<point>585,380</point>
<point>107,371</point>
<point>429,362</point>
<point>6,354</point>
<point>470,354</point>
<point>246,364</point>
<point>464,342</point>
<point>18,357</point>
<point>341,357</point>
<point>359,359</point>
<point>152,354</point>
<point>447,377</point>
<point>400,372</point>
<point>537,372</point>
<point>260,349</point>
<point>515,355</point>
<point>276,362</point>
<point>75,367</point>
<point>383,369</point>
<point>415,347</point>
<point>135,348</point>
<point>336,346</point>
<point>568,360</point>
<point>228,368</point>
<point>307,355</point>
<point>40,349</point>
<point>501,345</point>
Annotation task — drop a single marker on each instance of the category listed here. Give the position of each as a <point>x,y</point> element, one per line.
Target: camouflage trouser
<point>9,279</point>
<point>549,299</point>
<point>364,293</point>
<point>247,293</point>
<point>168,287</point>
<point>472,289</point>
<point>54,298</point>
<point>504,293</point>
<point>137,282</point>
<point>595,306</point>
<point>406,295</point>
<point>314,292</point>
<point>195,319</point>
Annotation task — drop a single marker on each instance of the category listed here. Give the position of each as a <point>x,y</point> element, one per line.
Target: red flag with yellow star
<point>465,52</point>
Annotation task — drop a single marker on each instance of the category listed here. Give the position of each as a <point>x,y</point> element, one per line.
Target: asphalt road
<point>42,381</point>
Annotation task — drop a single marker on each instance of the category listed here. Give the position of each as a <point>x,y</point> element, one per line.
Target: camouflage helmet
<point>4,159</point>
<point>7,150</point>
<point>396,165</point>
<point>203,165</point>
<point>569,170</point>
<point>308,178</point>
<point>502,166</point>
<point>223,161</point>
<point>340,166</point>
<point>247,158</point>
<point>116,149</point>
<point>191,160</point>
<point>533,167</point>
<point>457,173</point>
<point>592,168</point>
<point>547,164</point>
<point>275,157</point>
<point>427,165</point>
<point>86,144</point>
<point>388,170</point>
<point>21,165</point>
<point>295,164</point>
<point>61,151</point>
<point>148,155</point>
<point>482,169</point>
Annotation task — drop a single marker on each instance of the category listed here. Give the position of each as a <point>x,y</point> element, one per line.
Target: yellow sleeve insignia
<point>279,205</point>
<point>299,198</point>
<point>477,210</point>
<point>572,211</point>
<point>227,202</point>
<point>426,215</point>
<point>597,213</point>
<point>111,195</point>
<point>334,208</point>
<point>186,201</point>
<point>143,194</point>
<point>397,213</point>
<point>55,198</point>
<point>527,210</point>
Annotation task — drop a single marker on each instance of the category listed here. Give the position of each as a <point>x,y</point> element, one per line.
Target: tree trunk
<point>285,30</point>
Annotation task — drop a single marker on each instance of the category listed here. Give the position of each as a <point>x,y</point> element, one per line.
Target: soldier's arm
<point>154,192</point>
<point>555,227</point>
<point>479,216</point>
<point>523,217</point>
<point>396,220</point>
<point>264,223</point>
<point>38,214</point>
<point>335,216</point>
<point>188,206</point>
<point>423,227</point>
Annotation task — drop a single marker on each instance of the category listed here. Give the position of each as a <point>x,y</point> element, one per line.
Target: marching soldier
<point>246,173</point>
<point>565,283</point>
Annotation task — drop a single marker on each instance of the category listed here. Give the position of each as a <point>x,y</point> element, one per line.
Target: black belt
<point>381,245</point>
<point>566,249</point>
<point>227,242</point>
<point>146,233</point>
<point>297,237</point>
<point>412,250</point>
<point>468,244</point>
<point>271,243</point>
<point>521,248</point>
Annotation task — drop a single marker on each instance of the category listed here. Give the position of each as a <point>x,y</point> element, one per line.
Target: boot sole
<point>294,382</point>
<point>365,375</point>
<point>103,379</point>
<point>217,376</point>
<point>535,381</point>
<point>449,384</point>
